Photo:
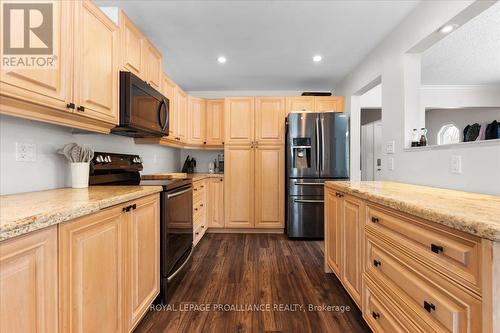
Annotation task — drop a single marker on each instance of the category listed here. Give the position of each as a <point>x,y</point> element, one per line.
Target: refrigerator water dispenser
<point>301,153</point>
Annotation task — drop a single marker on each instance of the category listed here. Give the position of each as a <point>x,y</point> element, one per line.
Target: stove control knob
<point>134,160</point>
<point>99,159</point>
<point>108,159</point>
<point>139,159</point>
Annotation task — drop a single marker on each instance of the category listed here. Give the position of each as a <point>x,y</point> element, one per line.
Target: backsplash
<point>202,157</point>
<point>50,170</point>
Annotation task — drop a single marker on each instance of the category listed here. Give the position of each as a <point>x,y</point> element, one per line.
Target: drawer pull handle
<point>375,315</point>
<point>429,306</point>
<point>377,263</point>
<point>375,219</point>
<point>436,248</point>
<point>196,209</point>
<point>197,233</point>
<point>134,206</point>
<point>196,189</point>
<point>201,205</point>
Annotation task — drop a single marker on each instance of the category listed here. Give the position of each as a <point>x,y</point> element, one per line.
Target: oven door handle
<point>171,277</point>
<point>308,201</point>
<point>176,194</point>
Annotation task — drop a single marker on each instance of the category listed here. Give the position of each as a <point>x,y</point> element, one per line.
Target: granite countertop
<point>474,213</point>
<point>199,176</point>
<point>26,212</point>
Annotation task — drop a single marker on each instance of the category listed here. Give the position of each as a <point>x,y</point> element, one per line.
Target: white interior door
<point>377,150</point>
<point>367,158</point>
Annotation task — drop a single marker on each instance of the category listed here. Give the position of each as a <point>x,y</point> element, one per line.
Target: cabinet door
<point>48,87</point>
<point>329,104</point>
<point>168,88</point>
<point>351,229</point>
<point>181,114</point>
<point>239,186</point>
<point>143,258</point>
<point>216,202</point>
<point>269,188</point>
<point>152,64</point>
<point>269,119</point>
<point>96,63</point>
<point>131,42</point>
<point>333,215</point>
<point>196,120</point>
<point>239,120</point>
<point>299,103</point>
<point>91,262</point>
<point>215,122</point>
<point>28,283</point>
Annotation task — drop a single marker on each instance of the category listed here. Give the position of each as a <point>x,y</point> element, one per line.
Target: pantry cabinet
<point>269,187</point>
<point>196,121</point>
<point>153,67</point>
<point>131,45</point>
<point>215,202</point>
<point>215,122</point>
<point>96,63</point>
<point>239,176</point>
<point>269,120</point>
<point>28,283</point>
<point>81,91</point>
<point>109,267</point>
<point>239,120</point>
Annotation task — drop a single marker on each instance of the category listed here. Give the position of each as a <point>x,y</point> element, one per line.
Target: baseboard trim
<point>246,230</point>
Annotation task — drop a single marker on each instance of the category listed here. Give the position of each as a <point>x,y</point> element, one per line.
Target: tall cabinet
<point>254,162</point>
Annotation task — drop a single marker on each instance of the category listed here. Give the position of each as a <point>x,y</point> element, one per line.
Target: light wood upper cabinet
<point>131,45</point>
<point>269,187</point>
<point>215,122</point>
<point>329,104</point>
<point>96,63</point>
<point>299,103</point>
<point>239,186</point>
<point>48,87</point>
<point>168,88</point>
<point>181,115</point>
<point>351,238</point>
<point>196,120</point>
<point>239,120</point>
<point>269,119</point>
<point>333,216</point>
<point>153,64</point>
<point>28,283</point>
<point>215,202</point>
<point>91,259</point>
<point>143,258</point>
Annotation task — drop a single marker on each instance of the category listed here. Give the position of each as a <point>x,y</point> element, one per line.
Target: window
<point>448,134</point>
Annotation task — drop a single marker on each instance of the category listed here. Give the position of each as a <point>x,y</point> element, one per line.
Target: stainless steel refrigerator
<point>317,149</point>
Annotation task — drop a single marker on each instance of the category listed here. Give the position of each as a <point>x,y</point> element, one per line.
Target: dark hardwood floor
<point>263,271</point>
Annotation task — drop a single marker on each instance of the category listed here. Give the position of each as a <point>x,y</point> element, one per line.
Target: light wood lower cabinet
<point>415,275</point>
<point>28,283</point>
<point>215,202</point>
<point>109,267</point>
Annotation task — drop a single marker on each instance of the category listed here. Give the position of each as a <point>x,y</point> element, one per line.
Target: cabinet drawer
<point>455,254</point>
<point>199,210</point>
<point>382,314</point>
<point>198,186</point>
<point>434,301</point>
<point>198,195</point>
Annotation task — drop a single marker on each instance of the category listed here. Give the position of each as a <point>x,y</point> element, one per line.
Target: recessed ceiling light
<point>317,58</point>
<point>448,28</point>
<point>221,60</point>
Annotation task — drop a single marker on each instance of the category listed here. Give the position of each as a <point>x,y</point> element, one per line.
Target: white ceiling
<point>269,44</point>
<point>468,56</point>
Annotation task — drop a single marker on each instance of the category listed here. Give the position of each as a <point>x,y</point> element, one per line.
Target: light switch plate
<point>456,164</point>
<point>389,147</point>
<point>25,152</point>
<point>390,163</point>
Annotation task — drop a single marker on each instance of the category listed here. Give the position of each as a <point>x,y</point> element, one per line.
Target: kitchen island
<point>415,257</point>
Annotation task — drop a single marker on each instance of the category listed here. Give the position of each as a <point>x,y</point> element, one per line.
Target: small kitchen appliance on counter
<point>176,211</point>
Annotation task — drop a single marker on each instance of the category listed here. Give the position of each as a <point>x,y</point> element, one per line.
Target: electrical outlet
<point>390,163</point>
<point>25,152</point>
<point>389,147</point>
<point>456,164</point>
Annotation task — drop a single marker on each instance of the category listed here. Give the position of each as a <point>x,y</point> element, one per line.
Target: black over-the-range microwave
<point>144,112</point>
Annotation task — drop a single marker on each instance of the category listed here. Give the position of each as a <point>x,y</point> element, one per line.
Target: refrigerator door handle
<point>322,142</point>
<point>308,201</point>
<point>317,144</point>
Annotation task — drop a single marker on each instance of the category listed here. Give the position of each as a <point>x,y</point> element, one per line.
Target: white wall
<point>428,167</point>
<point>51,169</point>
